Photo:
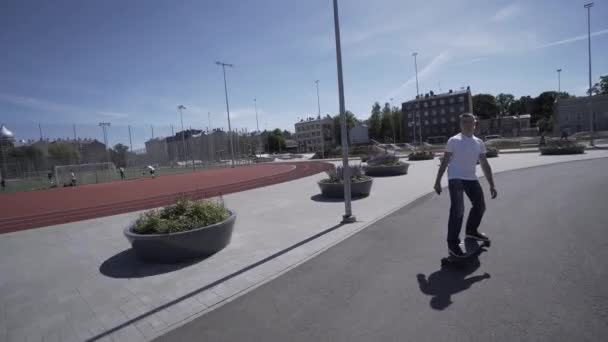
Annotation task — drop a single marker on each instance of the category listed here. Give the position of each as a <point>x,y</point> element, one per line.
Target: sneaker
<point>478,236</point>
<point>455,250</point>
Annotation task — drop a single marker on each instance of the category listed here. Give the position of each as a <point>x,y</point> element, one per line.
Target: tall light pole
<point>348,216</point>
<point>393,122</point>
<point>104,128</point>
<point>257,125</point>
<point>181,117</point>
<point>224,65</point>
<point>559,82</point>
<point>588,7</point>
<point>321,122</point>
<point>415,55</point>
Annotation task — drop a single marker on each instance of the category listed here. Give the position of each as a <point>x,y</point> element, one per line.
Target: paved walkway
<point>80,281</point>
<point>543,279</point>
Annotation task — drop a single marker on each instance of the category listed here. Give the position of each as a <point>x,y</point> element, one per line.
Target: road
<point>543,279</point>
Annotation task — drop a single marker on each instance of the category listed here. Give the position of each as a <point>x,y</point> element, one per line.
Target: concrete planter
<point>336,190</point>
<point>427,155</point>
<point>175,247</point>
<point>387,170</point>
<point>550,151</point>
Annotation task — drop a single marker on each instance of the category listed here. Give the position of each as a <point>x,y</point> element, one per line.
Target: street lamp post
<point>257,125</point>
<point>348,216</point>
<point>559,82</point>
<point>588,7</point>
<point>321,122</point>
<point>224,65</point>
<point>181,116</point>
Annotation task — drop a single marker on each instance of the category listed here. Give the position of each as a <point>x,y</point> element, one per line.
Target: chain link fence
<point>28,161</point>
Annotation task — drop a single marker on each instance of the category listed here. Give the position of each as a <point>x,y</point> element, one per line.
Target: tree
<point>484,106</point>
<point>276,141</point>
<point>63,154</point>
<point>351,121</point>
<point>118,155</point>
<point>387,123</point>
<point>504,102</point>
<point>375,122</point>
<point>601,87</point>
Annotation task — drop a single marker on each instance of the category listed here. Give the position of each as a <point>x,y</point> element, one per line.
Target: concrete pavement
<point>543,279</point>
<point>80,281</point>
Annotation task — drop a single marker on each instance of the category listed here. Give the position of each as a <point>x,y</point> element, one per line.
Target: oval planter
<point>175,247</point>
<point>426,156</point>
<point>336,190</point>
<point>386,170</point>
<point>552,151</point>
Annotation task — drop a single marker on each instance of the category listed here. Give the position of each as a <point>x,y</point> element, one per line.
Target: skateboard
<point>472,249</point>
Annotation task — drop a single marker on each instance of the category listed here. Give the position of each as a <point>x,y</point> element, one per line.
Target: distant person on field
<point>3,184</point>
<point>152,171</point>
<point>73,183</point>
<point>122,172</point>
<point>50,176</point>
<point>460,159</point>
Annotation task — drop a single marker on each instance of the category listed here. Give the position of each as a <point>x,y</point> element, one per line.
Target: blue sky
<point>132,62</point>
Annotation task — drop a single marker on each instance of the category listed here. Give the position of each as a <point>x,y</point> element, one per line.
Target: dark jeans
<point>474,192</point>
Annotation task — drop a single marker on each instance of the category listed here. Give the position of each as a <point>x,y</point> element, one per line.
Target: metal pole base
<point>348,219</point>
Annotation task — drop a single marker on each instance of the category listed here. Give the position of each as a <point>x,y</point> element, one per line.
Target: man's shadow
<point>448,281</point>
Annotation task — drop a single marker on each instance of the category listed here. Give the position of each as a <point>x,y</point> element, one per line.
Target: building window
<point>443,130</point>
<point>442,110</point>
<point>426,113</point>
<point>460,98</point>
<point>417,105</point>
<point>442,102</point>
<point>443,120</point>
<point>451,109</point>
<point>452,119</point>
<point>462,109</point>
<point>434,121</point>
<point>433,112</point>
<point>451,100</point>
<point>426,105</point>
<point>434,103</point>
<point>409,115</point>
<point>426,122</point>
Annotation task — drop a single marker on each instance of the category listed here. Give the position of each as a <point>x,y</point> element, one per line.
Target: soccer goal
<point>85,173</point>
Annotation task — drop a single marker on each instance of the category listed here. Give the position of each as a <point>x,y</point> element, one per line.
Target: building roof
<point>439,96</point>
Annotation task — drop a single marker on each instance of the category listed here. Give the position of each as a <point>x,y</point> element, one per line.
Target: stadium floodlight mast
<point>348,217</point>
<point>559,81</point>
<point>104,128</point>
<point>224,65</point>
<point>321,122</point>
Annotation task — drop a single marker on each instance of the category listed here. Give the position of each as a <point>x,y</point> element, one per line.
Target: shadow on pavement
<point>126,265</point>
<point>448,281</point>
<point>321,198</point>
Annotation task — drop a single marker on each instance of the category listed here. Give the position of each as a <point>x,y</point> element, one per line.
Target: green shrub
<point>421,155</point>
<point>491,152</point>
<point>336,175</point>
<point>183,216</point>
<point>384,160</point>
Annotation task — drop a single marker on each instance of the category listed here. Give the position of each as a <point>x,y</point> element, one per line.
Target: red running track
<point>26,210</point>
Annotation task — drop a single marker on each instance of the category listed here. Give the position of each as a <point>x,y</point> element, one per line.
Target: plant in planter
<point>559,147</point>
<point>333,186</point>
<point>491,152</point>
<point>421,155</point>
<point>386,165</point>
<point>187,229</point>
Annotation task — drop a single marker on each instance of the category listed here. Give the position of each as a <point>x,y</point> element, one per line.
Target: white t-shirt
<point>465,154</point>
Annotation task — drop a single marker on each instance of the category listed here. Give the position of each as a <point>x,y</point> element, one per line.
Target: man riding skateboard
<point>461,155</point>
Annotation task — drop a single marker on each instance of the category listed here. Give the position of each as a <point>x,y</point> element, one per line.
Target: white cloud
<point>507,12</point>
<point>54,107</point>
<point>429,69</point>
<point>572,39</point>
